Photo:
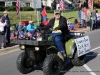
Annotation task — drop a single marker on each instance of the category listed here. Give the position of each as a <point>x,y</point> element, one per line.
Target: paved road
<point>92,66</point>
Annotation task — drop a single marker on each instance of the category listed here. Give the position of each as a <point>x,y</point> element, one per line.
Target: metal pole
<point>37,17</point>
<point>92,4</point>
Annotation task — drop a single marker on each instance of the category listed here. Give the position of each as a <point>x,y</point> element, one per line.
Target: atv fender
<point>70,47</point>
<point>54,50</point>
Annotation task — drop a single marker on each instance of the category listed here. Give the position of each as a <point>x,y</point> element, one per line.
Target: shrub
<point>10,8</point>
<point>2,8</point>
<point>27,9</point>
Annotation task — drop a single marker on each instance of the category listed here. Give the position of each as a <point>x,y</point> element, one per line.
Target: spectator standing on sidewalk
<point>79,12</point>
<point>88,21</point>
<point>98,19</point>
<point>44,14</point>
<point>2,32</point>
<point>93,18</point>
<point>83,17</point>
<point>7,34</point>
<point>85,12</point>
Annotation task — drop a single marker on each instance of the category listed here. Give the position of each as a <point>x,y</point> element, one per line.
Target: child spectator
<point>31,29</point>
<point>76,24</point>
<point>21,31</point>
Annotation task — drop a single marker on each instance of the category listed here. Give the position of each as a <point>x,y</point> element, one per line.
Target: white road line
<point>95,48</point>
<point>88,69</point>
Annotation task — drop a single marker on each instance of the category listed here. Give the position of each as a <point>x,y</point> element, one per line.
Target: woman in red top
<point>44,14</point>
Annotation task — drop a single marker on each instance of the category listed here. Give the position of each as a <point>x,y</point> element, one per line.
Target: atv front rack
<point>31,42</point>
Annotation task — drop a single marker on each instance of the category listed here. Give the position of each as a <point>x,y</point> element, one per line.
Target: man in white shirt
<point>2,32</point>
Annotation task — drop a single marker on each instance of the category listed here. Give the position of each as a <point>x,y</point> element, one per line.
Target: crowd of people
<point>86,18</point>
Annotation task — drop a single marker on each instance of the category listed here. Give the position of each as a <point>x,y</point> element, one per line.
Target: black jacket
<point>62,26</point>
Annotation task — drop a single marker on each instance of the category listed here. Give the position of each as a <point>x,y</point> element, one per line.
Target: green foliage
<point>10,8</point>
<point>48,8</point>
<point>26,9</point>
<point>97,5</point>
<point>13,8</point>
<point>2,8</point>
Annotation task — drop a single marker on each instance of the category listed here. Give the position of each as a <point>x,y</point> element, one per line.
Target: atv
<point>43,52</point>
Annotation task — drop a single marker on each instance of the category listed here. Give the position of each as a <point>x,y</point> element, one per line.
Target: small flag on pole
<point>17,6</point>
<point>90,4</point>
<point>62,4</point>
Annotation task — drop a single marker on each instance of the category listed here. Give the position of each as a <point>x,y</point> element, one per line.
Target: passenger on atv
<point>60,30</point>
<point>27,32</point>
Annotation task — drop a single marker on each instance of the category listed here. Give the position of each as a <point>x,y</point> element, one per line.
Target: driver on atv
<point>60,30</point>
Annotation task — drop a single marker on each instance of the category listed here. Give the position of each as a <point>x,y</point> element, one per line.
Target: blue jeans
<point>58,38</point>
<point>7,34</point>
<point>82,23</point>
<point>97,24</point>
<point>79,15</point>
<point>32,32</point>
<point>44,18</point>
<point>93,23</point>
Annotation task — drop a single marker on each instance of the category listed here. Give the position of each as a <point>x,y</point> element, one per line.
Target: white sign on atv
<point>83,45</point>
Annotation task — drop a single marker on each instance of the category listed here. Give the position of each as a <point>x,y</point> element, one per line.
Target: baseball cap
<point>57,12</point>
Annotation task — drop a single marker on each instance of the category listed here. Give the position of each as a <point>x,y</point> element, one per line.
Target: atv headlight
<point>22,47</point>
<point>37,48</point>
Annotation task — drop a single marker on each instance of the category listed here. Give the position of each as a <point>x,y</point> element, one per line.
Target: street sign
<point>36,4</point>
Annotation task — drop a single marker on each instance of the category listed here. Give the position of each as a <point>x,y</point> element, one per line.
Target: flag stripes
<point>62,5</point>
<point>17,6</point>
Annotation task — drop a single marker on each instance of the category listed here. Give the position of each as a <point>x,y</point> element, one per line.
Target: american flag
<point>90,4</point>
<point>62,4</point>
<point>17,6</point>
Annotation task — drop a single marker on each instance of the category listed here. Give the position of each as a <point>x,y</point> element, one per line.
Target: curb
<point>9,48</point>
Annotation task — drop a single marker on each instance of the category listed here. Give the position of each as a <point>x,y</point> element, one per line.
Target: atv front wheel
<point>24,64</point>
<point>78,61</point>
<point>52,65</point>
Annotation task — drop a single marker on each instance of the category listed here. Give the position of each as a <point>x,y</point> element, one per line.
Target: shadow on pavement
<point>90,56</point>
<point>66,69</point>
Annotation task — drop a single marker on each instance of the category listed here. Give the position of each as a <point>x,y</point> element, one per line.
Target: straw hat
<point>30,21</point>
<point>5,12</point>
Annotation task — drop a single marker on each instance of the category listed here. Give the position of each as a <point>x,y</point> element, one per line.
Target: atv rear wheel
<point>24,64</point>
<point>78,61</point>
<point>52,65</point>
